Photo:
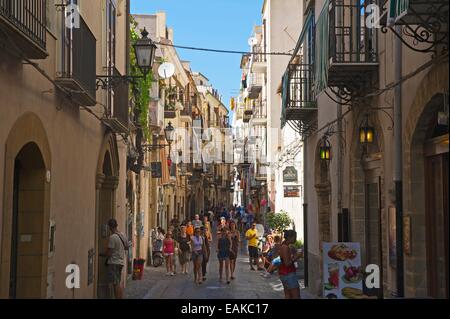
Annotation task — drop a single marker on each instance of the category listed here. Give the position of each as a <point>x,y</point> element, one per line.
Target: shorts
<point>253,252</point>
<point>223,256</point>
<point>168,254</point>
<point>114,274</point>
<point>184,257</point>
<point>197,256</point>
<point>290,281</point>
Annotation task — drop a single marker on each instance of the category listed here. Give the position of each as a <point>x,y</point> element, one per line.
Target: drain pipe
<point>305,213</point>
<point>398,165</point>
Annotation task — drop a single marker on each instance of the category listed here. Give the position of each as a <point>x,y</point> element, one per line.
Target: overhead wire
<point>222,51</point>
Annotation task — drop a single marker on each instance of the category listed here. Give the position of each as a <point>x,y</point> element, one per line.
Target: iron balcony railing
<point>258,54</point>
<point>260,109</point>
<point>299,88</point>
<point>187,110</point>
<point>78,63</point>
<point>28,17</point>
<point>351,40</point>
<point>255,80</point>
<point>118,115</point>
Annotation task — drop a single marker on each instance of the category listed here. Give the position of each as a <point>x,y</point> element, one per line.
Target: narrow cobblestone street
<point>247,285</point>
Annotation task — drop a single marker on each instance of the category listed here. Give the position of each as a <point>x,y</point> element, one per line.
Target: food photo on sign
<point>343,273</point>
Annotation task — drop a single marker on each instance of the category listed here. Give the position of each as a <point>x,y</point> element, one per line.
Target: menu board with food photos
<point>342,271</point>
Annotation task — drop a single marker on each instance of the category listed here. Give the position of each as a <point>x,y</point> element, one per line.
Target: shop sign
<point>290,175</point>
<point>291,191</point>
<point>343,274</point>
<point>156,170</point>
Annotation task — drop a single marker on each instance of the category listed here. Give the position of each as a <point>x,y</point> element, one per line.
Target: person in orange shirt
<point>190,229</point>
<point>208,229</point>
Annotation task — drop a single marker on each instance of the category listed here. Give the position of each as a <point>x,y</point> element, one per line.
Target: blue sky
<point>216,24</point>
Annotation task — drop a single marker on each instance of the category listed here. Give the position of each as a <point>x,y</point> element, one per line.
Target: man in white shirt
<point>117,245</point>
<point>197,223</point>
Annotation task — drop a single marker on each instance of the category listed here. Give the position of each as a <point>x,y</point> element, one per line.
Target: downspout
<point>339,129</point>
<point>305,212</point>
<point>339,157</point>
<point>398,164</point>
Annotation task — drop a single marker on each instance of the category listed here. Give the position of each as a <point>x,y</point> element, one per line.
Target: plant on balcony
<point>140,89</point>
<point>171,99</point>
<point>279,221</point>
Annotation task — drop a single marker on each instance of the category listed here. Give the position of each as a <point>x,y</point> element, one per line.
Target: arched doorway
<point>29,244</point>
<point>421,143</point>
<point>429,175</point>
<point>26,268</point>
<point>106,184</point>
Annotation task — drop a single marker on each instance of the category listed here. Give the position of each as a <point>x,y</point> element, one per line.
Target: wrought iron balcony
<point>169,111</point>
<point>353,60</point>
<point>186,111</point>
<point>255,83</point>
<point>24,22</point>
<point>187,106</point>
<point>118,115</point>
<point>298,97</point>
<point>77,71</point>
<point>260,112</point>
<point>259,61</point>
<point>425,22</point>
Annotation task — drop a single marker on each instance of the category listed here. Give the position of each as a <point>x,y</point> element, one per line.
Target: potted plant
<point>279,222</point>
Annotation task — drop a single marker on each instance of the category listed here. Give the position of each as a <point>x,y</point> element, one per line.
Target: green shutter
<point>322,49</point>
<point>284,96</point>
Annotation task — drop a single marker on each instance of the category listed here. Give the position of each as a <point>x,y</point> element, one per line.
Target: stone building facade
<point>352,197</point>
<point>63,162</point>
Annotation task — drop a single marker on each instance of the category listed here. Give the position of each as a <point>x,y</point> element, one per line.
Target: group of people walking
<point>192,242</point>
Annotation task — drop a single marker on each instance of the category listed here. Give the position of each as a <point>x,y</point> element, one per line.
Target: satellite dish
<point>252,41</point>
<point>166,70</point>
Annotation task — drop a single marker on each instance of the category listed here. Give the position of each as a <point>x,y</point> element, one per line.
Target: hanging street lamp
<point>169,132</point>
<point>144,49</point>
<point>366,132</point>
<point>325,149</point>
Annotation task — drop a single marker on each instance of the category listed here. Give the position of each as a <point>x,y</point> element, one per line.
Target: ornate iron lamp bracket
<point>151,147</point>
<point>430,31</point>
<point>106,82</point>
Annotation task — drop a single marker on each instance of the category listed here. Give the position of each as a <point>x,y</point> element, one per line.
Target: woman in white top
<point>198,251</point>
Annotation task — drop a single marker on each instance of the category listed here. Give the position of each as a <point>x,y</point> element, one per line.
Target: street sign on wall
<point>156,170</point>
<point>290,175</point>
<point>292,191</point>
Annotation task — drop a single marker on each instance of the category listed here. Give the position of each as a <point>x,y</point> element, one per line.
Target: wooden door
<point>436,179</point>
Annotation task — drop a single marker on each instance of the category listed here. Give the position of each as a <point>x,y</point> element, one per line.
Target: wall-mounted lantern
<point>325,149</point>
<point>366,132</point>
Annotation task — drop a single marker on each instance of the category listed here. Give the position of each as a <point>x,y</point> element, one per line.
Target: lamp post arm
<point>111,81</point>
